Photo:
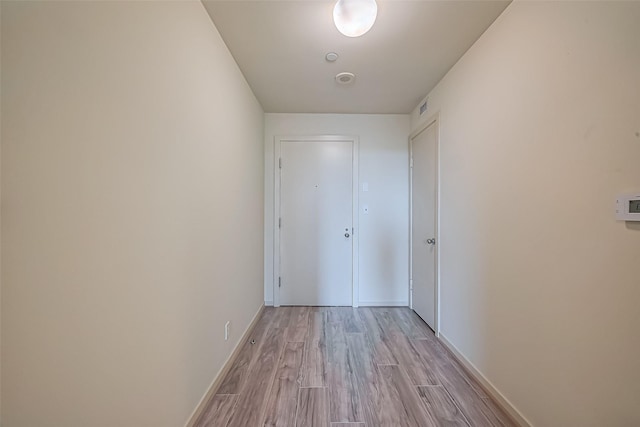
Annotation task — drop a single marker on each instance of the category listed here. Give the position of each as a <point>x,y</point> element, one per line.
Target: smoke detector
<point>331,57</point>
<point>345,78</point>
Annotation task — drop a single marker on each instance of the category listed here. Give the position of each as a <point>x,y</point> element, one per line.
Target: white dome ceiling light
<point>354,18</point>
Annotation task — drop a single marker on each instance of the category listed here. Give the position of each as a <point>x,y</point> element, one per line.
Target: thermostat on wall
<point>628,207</point>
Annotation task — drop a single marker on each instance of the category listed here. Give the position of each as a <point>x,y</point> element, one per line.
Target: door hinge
<point>280,222</point>
<point>280,162</point>
<point>411,284</point>
<point>411,163</point>
<point>279,282</point>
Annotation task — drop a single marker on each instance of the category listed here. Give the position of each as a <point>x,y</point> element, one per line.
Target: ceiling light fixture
<point>354,18</point>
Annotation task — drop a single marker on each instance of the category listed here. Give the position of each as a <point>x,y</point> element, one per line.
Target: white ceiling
<point>280,47</point>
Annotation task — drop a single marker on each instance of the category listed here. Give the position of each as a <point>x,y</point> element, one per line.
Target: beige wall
<point>132,200</point>
<point>0,216</point>
<point>540,130</point>
<point>383,164</point>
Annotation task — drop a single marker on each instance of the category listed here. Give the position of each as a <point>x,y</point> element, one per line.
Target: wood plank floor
<point>348,367</point>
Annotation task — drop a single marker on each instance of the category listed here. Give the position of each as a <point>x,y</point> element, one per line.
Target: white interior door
<point>423,214</point>
<point>316,242</point>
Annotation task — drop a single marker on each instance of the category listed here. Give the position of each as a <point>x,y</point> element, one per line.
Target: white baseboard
<point>383,303</point>
<point>488,387</point>
<point>367,304</point>
<point>217,380</point>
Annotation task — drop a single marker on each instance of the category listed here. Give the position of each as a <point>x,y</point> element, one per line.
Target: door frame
<point>277,142</point>
<point>433,120</point>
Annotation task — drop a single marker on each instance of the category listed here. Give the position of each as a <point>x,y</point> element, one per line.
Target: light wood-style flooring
<point>347,367</point>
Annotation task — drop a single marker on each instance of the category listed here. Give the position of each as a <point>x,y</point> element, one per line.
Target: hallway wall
<point>540,131</point>
<point>383,164</point>
<point>132,199</point>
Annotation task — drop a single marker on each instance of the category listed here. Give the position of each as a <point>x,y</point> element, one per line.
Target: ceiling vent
<point>345,78</point>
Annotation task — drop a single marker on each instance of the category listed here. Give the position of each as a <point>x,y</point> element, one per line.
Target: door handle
<point>431,241</point>
<point>346,235</point>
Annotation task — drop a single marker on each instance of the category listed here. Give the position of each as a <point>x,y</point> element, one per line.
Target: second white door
<point>423,216</point>
<point>316,238</point>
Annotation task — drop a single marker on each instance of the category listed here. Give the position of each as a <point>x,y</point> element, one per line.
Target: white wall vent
<point>423,107</point>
